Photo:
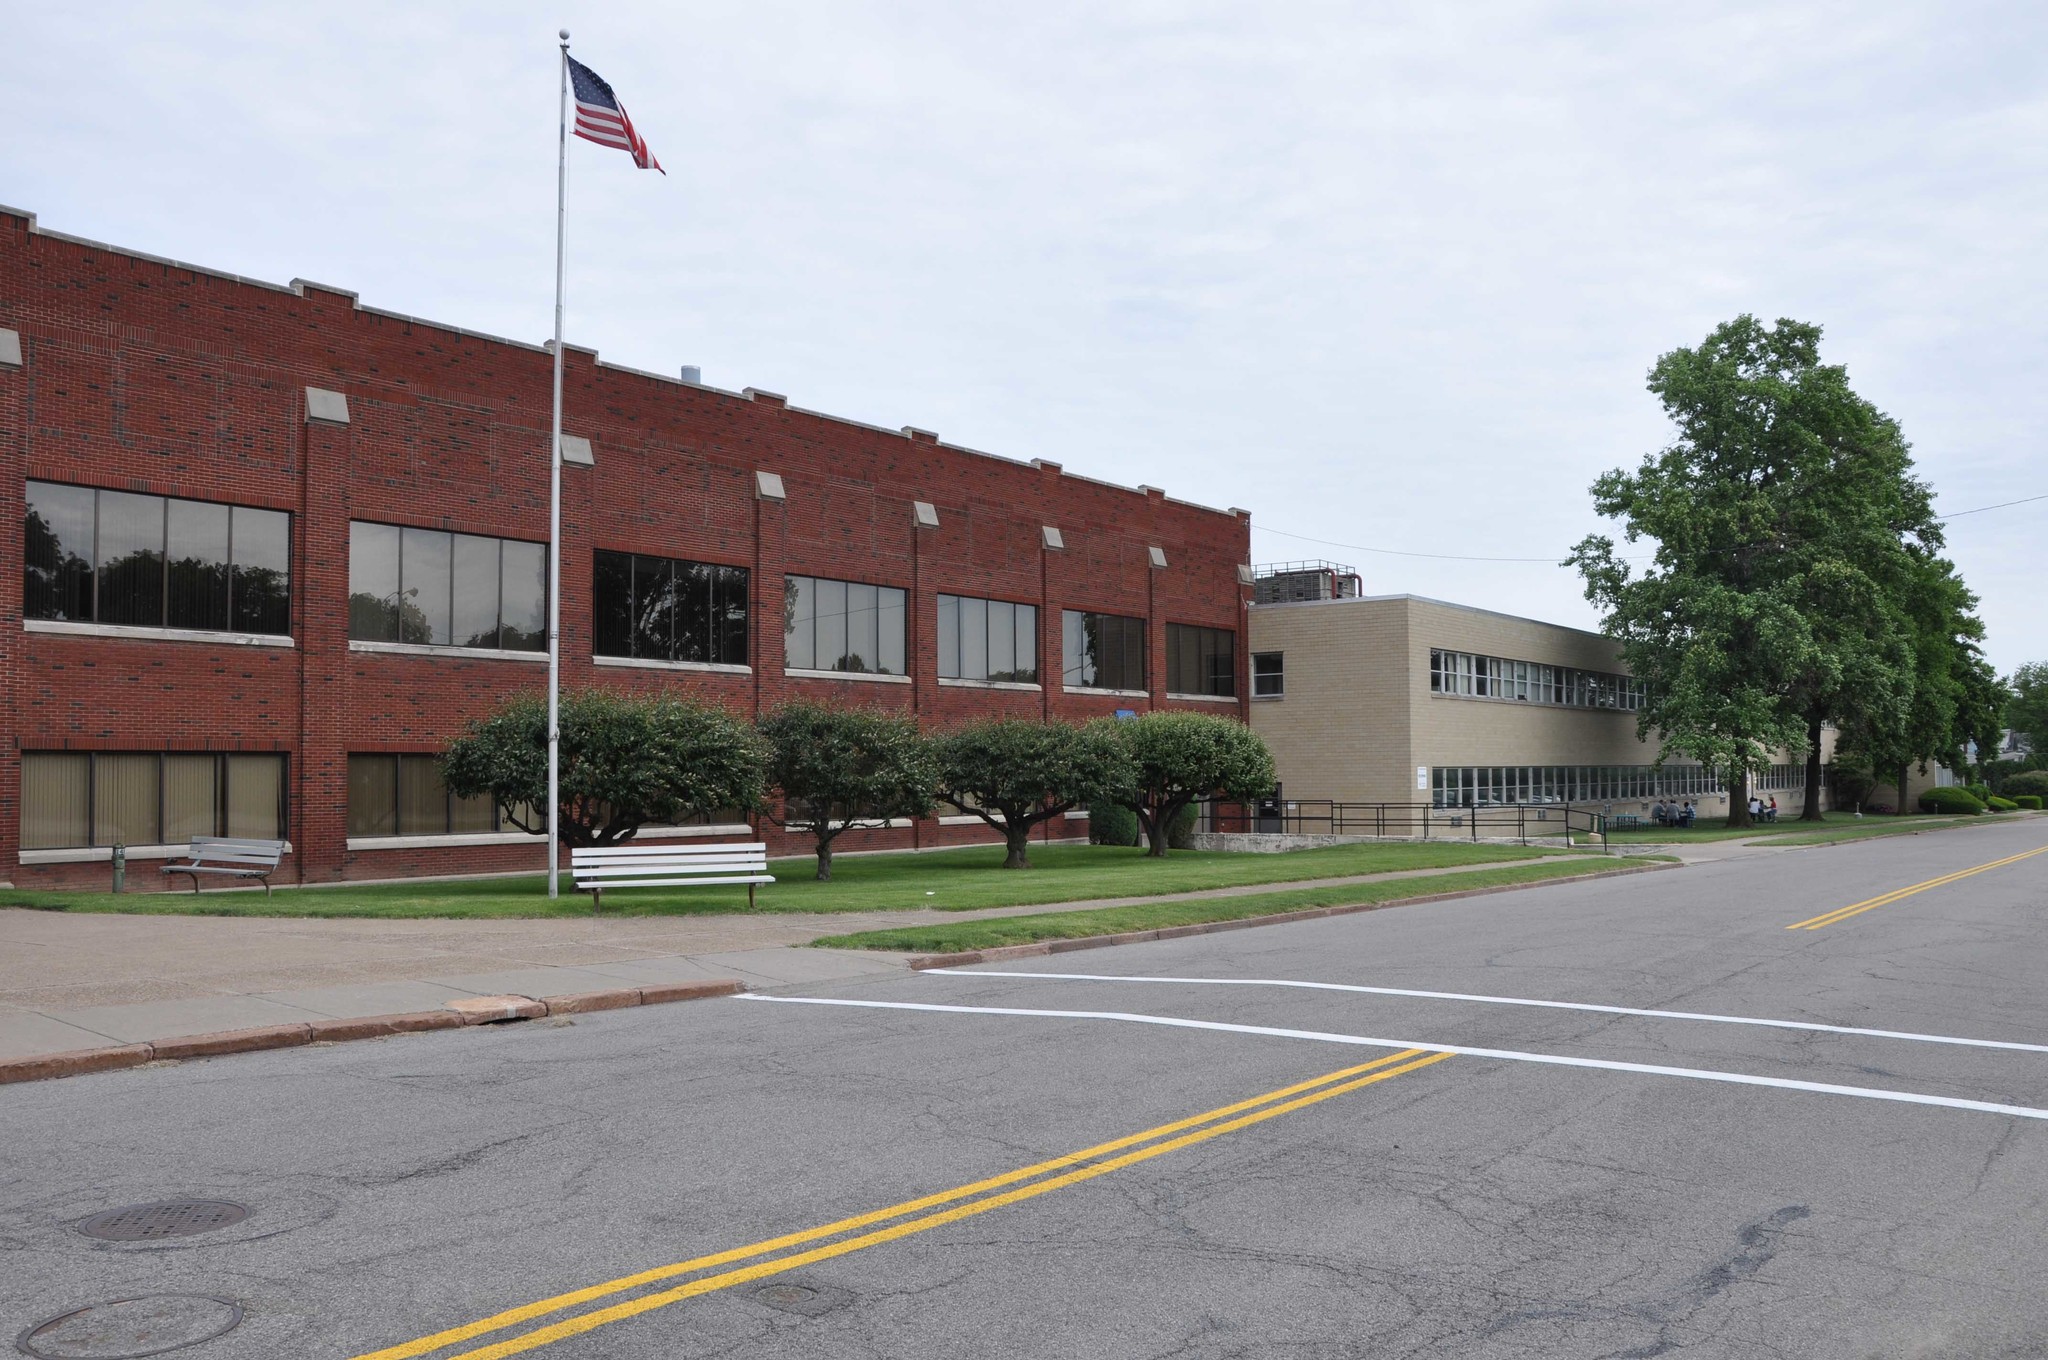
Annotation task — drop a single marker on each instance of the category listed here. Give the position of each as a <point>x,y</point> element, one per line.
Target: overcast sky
<point>1386,275</point>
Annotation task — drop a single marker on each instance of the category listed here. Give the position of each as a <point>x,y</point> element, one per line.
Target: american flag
<point>601,118</point>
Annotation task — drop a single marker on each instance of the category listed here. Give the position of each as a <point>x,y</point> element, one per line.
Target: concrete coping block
<point>1053,539</point>
<point>44,1066</point>
<point>1157,555</point>
<point>492,1010</point>
<point>1244,574</point>
<point>377,1026</point>
<point>10,349</point>
<point>655,993</point>
<point>576,1003</point>
<point>234,1041</point>
<point>925,514</point>
<point>768,486</point>
<point>322,404</point>
<point>576,449</point>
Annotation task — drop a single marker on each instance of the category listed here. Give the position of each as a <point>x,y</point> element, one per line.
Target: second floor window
<point>1269,675</point>
<point>987,640</point>
<point>652,608</point>
<point>117,557</point>
<point>842,626</point>
<point>1201,660</point>
<point>1103,651</point>
<point>435,589</point>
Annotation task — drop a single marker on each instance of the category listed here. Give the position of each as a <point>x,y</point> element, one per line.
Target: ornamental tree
<point>1016,773</point>
<point>1179,757</point>
<point>626,760</point>
<point>838,768</point>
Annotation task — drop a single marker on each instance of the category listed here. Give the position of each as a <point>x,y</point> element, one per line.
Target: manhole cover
<point>805,1300</point>
<point>170,1218</point>
<point>127,1329</point>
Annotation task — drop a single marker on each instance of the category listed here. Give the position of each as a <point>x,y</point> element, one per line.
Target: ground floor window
<point>77,799</point>
<point>1504,785</point>
<point>1269,675</point>
<point>403,795</point>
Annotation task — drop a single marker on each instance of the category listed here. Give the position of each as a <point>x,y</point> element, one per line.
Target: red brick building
<point>265,543</point>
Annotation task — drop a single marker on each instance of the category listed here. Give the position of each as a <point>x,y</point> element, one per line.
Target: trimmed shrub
<point>1112,824</point>
<point>1997,804</point>
<point>2034,782</point>
<point>1181,828</point>
<point>1980,792</point>
<point>2030,801</point>
<point>1951,800</point>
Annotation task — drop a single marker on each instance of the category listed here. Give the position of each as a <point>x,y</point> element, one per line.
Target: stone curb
<point>1040,948</point>
<point>482,1010</point>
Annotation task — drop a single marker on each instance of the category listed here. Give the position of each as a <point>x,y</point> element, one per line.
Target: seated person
<point>1661,814</point>
<point>1687,813</point>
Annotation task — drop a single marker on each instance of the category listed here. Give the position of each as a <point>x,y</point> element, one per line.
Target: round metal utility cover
<point>168,1218</point>
<point>128,1329</point>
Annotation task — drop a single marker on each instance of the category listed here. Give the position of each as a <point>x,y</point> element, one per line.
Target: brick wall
<point>146,375</point>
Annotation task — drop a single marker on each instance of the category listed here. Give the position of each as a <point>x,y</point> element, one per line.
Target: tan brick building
<point>1401,699</point>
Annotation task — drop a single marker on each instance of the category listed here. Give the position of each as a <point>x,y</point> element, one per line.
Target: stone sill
<point>460,653</point>
<point>104,854</point>
<point>650,664</point>
<point>1204,698</point>
<point>646,833</point>
<point>1109,693</point>
<point>953,683</point>
<point>138,634</point>
<point>1529,703</point>
<point>869,677</point>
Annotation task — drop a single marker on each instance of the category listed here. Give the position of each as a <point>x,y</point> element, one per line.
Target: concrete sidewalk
<point>89,980</point>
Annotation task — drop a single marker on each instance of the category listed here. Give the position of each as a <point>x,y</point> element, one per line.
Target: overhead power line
<point>1558,560</point>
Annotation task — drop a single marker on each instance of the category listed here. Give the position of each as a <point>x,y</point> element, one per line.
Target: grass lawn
<point>1835,826</point>
<point>957,936</point>
<point>946,880</point>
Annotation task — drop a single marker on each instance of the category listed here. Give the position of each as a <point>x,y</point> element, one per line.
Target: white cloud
<point>1389,275</point>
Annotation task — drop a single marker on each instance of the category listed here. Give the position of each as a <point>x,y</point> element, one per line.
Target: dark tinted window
<point>119,557</point>
<point>1201,660</point>
<point>660,610</point>
<point>435,589</point>
<point>843,626</point>
<point>1103,651</point>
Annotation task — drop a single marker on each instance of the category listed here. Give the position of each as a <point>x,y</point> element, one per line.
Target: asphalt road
<point>1439,1203</point>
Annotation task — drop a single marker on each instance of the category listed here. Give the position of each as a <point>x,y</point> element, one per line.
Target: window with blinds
<point>80,799</point>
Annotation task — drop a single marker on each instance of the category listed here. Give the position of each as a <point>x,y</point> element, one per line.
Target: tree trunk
<point>1900,810</point>
<point>1155,833</point>
<point>824,859</point>
<point>1811,812</point>
<point>1018,840</point>
<point>1738,795</point>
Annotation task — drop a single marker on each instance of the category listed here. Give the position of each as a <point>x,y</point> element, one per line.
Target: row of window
<point>1778,778</point>
<point>1497,678</point>
<point>117,557</point>
<point>1502,785</point>
<point>76,799</point>
<point>114,557</point>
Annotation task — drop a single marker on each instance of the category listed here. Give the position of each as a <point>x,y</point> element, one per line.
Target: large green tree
<point>1784,513</point>
<point>2027,712</point>
<point>1179,757</point>
<point>626,760</point>
<point>1016,773</point>
<point>839,768</point>
<point>1954,698</point>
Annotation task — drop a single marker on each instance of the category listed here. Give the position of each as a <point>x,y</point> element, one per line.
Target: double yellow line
<point>965,1201</point>
<point>1828,918</point>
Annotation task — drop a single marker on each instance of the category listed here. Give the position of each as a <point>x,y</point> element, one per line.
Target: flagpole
<point>555,496</point>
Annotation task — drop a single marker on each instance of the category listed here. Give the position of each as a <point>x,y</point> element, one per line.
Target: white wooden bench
<point>668,866</point>
<point>231,856</point>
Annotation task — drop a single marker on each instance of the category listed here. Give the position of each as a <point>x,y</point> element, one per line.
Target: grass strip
<point>959,936</point>
<point>965,878</point>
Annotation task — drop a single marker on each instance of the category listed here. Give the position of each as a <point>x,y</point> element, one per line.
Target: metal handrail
<point>1424,821</point>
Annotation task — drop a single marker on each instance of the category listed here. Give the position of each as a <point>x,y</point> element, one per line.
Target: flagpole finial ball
<point>565,35</point>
